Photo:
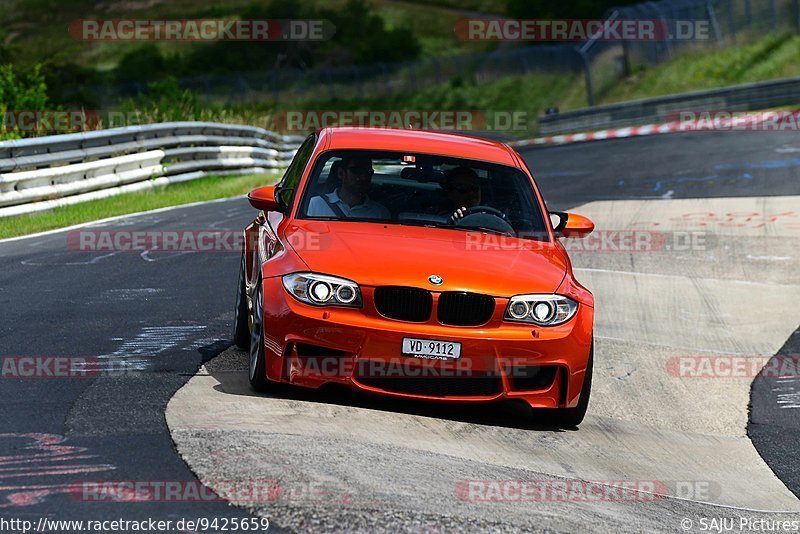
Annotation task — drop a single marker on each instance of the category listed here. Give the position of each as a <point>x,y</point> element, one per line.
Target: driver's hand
<point>458,214</point>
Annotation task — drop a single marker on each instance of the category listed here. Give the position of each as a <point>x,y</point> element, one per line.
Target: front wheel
<point>258,364</point>
<point>241,320</point>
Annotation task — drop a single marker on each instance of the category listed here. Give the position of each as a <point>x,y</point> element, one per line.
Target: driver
<point>350,198</point>
<point>463,189</point>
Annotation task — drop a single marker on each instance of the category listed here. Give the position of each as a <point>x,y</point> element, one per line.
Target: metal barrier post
<point>797,15</point>
<point>748,14</point>
<point>587,72</point>
<point>731,20</point>
<point>773,14</point>
<point>712,16</point>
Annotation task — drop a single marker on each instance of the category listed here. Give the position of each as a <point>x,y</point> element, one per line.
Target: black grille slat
<point>404,303</point>
<point>465,309</point>
<point>487,385</point>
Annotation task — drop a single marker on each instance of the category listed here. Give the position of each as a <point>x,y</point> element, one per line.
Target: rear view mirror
<point>570,224</point>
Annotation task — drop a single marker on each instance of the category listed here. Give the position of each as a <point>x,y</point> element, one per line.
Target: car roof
<point>417,141</point>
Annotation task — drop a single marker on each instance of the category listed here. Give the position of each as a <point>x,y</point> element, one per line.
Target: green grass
<point>497,7</point>
<point>210,188</point>
<point>531,94</point>
<point>433,25</point>
<point>771,57</point>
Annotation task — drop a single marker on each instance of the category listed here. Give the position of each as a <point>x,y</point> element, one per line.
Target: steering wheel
<point>485,218</point>
<point>484,209</point>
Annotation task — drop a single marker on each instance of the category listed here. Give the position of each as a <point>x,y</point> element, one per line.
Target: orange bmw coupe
<point>418,265</point>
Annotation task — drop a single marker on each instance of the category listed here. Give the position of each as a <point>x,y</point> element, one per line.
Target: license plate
<point>431,349</point>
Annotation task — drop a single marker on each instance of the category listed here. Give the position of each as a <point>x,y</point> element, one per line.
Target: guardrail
<point>47,172</point>
<point>746,97</point>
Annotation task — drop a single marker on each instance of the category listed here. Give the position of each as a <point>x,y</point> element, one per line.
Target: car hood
<point>374,254</point>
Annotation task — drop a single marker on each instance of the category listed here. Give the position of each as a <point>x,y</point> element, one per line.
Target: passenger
<point>350,199</point>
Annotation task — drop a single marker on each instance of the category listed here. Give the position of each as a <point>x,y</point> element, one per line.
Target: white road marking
<point>135,354</point>
<point>93,261</point>
<point>145,255</point>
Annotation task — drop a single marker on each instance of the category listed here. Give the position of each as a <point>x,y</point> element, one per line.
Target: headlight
<point>322,290</point>
<point>543,310</point>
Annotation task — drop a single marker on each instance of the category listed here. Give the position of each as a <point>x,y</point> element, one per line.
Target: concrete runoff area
<point>358,463</point>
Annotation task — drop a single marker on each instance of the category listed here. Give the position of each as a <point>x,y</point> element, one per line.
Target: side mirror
<point>570,224</point>
<point>263,198</point>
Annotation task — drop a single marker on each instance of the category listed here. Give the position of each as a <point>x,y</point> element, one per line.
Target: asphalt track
<point>353,463</point>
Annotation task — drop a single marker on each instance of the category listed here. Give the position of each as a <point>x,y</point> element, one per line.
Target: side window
<point>295,170</point>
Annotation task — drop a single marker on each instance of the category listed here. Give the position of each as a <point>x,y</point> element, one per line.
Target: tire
<point>572,417</point>
<point>258,363</point>
<point>241,320</point>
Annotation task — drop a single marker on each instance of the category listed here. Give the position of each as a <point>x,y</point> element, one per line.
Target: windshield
<point>417,189</point>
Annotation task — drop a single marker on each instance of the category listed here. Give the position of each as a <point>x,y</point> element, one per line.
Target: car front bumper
<point>311,346</point>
